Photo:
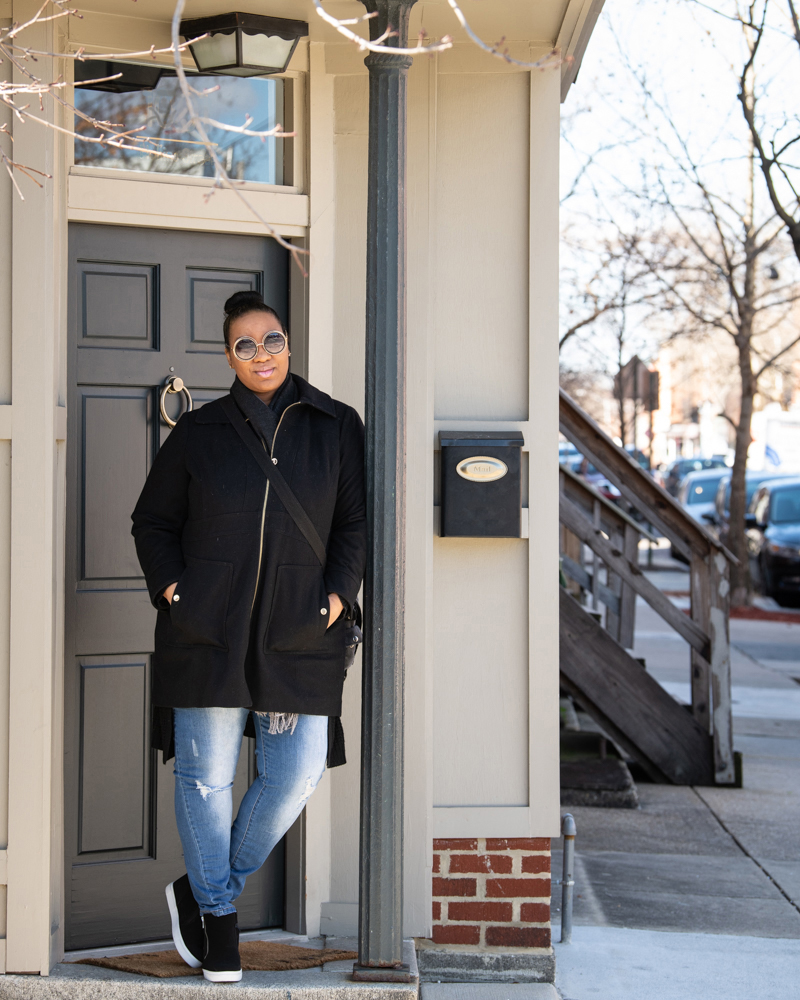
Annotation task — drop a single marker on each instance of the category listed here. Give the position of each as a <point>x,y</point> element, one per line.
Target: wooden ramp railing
<point>590,661</point>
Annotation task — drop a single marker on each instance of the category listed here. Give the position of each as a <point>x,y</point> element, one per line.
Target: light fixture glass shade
<point>243,44</point>
<point>267,50</point>
<point>217,50</point>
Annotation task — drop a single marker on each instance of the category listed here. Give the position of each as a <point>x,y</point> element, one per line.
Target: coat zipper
<point>264,508</point>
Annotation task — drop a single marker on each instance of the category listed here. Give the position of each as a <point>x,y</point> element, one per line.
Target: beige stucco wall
<point>482,346</point>
<point>481,720</point>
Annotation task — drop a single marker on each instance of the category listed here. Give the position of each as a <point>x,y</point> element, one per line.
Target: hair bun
<point>246,299</point>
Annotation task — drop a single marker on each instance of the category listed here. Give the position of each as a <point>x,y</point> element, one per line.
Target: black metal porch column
<point>380,930</point>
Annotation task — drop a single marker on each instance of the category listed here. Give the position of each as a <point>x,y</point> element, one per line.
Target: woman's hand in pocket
<point>170,591</point>
<point>335,608</point>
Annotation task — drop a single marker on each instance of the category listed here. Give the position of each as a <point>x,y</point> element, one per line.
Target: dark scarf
<point>264,417</point>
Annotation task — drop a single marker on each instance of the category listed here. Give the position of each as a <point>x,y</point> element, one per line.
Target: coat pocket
<point>199,607</point>
<point>299,614</point>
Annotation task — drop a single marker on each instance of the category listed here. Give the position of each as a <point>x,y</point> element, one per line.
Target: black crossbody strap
<point>275,478</point>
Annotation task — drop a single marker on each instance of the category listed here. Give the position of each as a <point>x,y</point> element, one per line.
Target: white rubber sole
<point>222,977</point>
<point>181,948</point>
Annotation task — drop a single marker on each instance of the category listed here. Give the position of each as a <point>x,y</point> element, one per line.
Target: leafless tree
<point>717,256</point>
<point>711,256</point>
<point>768,25</point>
<point>17,96</point>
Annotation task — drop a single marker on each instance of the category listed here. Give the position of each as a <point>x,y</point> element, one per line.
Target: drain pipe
<point>567,883</point>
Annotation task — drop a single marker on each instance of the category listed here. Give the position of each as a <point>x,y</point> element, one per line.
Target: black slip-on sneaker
<point>221,962</point>
<point>187,924</point>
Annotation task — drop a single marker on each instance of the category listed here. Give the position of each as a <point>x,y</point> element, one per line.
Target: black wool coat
<point>246,627</point>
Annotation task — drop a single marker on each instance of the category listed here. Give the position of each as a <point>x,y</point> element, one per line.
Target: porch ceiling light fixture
<point>243,44</point>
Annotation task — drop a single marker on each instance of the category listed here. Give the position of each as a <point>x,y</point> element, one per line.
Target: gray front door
<point>144,304</point>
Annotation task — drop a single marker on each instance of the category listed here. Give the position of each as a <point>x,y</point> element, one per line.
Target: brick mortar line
<point>480,880</point>
<point>517,858</point>
<point>521,851</point>
<point>517,852</point>
<point>482,925</point>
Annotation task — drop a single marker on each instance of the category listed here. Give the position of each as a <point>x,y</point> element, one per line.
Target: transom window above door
<point>156,107</point>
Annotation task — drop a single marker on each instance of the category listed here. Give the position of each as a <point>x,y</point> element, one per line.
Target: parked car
<point>698,492</point>
<point>568,454</point>
<point>681,467</point>
<point>638,456</point>
<point>719,517</point>
<point>772,529</point>
<point>595,477</point>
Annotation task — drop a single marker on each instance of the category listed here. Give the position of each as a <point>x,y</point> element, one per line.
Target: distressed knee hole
<point>206,790</point>
<point>311,784</point>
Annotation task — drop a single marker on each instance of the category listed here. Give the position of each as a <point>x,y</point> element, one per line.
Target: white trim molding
<point>573,37</point>
<point>127,200</point>
<point>485,821</point>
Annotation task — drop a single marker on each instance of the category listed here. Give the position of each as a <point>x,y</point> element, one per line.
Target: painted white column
<point>320,373</point>
<point>543,590</point>
<point>38,237</point>
<point>6,190</point>
<point>322,221</point>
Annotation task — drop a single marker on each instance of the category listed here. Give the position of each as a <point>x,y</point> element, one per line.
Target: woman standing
<point>250,622</point>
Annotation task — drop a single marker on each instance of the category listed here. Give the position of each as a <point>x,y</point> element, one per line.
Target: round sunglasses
<point>246,348</point>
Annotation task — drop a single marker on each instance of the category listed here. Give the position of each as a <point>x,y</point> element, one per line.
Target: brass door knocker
<point>172,385</point>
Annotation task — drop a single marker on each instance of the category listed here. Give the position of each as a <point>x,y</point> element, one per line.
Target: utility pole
<point>380,927</point>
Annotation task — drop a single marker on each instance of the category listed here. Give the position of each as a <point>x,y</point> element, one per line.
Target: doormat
<point>257,956</point>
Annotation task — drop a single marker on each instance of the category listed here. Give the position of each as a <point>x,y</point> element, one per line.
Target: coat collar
<point>212,413</point>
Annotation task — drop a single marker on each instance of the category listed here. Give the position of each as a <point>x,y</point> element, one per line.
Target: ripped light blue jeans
<point>219,856</point>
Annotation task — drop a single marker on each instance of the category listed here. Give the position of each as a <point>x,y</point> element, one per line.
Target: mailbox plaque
<point>482,469</point>
<point>481,484</point>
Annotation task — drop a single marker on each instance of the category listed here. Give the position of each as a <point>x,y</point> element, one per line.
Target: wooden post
<point>700,670</point>
<point>627,597</point>
<point>719,588</point>
<point>615,584</point>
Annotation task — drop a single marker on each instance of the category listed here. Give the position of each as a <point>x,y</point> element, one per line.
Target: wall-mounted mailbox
<point>481,484</point>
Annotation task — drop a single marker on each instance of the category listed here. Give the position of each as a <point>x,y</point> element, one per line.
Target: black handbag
<point>353,636</point>
<point>353,620</point>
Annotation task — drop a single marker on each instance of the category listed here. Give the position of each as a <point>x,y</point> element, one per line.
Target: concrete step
<point>68,981</point>
<point>489,991</point>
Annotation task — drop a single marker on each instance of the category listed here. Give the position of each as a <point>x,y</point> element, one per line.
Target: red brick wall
<point>491,891</point>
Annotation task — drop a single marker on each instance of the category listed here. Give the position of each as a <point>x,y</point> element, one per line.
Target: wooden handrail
<point>580,525</point>
<point>613,538</point>
<point>637,486</point>
<point>578,489</point>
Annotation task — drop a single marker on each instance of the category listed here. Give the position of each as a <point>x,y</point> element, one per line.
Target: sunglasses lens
<point>274,342</point>
<point>245,349</point>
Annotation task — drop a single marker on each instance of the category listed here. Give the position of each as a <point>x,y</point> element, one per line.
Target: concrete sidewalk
<point>696,895</point>
<point>611,963</point>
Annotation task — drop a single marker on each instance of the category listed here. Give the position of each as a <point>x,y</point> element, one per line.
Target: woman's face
<point>266,372</point>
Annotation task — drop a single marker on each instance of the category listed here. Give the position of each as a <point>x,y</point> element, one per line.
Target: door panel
<point>118,306</point>
<point>206,288</point>
<point>144,305</point>
<point>117,454</point>
<point>115,759</point>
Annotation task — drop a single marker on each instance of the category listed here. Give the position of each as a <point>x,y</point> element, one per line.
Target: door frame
<point>117,245</point>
